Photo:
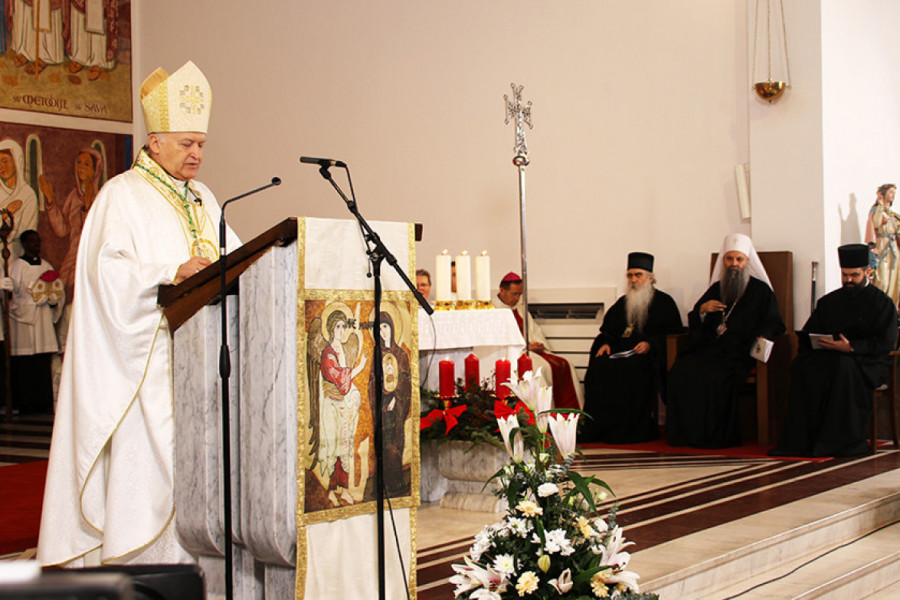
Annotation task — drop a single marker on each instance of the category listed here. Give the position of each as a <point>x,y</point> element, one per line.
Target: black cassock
<point>702,408</point>
<point>830,405</point>
<point>620,393</point>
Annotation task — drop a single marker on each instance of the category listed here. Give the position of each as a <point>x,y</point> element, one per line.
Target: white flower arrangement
<point>550,543</point>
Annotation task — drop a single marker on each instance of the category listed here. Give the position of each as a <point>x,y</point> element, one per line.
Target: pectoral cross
<point>522,115</point>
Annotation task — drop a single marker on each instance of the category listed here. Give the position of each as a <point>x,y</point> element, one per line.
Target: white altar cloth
<point>489,334</point>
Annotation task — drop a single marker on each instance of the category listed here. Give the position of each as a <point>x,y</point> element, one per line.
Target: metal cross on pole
<point>522,114</point>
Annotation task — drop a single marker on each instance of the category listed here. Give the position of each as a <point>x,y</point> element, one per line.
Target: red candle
<point>473,377</point>
<point>448,388</point>
<point>501,376</point>
<point>524,364</point>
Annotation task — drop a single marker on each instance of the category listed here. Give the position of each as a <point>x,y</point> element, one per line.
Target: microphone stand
<point>224,374</point>
<point>377,253</point>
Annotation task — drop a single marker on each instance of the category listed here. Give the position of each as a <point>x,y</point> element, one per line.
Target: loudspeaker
<point>115,582</point>
<point>159,582</point>
<point>68,585</point>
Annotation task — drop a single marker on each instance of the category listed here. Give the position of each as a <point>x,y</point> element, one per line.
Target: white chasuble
<point>110,477</point>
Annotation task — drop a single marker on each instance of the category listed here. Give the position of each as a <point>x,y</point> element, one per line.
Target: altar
<point>489,334</point>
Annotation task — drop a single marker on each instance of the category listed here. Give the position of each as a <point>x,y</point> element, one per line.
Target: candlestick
<point>442,279</point>
<point>447,378</point>
<point>524,364</point>
<point>483,278</point>
<point>463,277</point>
<point>501,377</point>
<point>473,377</point>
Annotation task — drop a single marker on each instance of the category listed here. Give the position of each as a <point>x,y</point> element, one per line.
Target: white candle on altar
<point>483,277</point>
<point>442,277</point>
<point>464,276</point>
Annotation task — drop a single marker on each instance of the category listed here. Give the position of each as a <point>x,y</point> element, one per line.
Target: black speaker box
<point>125,582</point>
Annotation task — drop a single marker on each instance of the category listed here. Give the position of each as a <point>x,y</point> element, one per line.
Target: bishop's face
<point>511,295</point>
<point>735,258</point>
<point>179,153</point>
<point>637,278</point>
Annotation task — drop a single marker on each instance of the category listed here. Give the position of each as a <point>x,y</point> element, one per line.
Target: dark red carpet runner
<point>22,493</point>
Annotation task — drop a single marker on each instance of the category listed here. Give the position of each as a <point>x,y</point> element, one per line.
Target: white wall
<point>786,170</point>
<point>640,114</point>
<point>641,110</point>
<point>861,115</point>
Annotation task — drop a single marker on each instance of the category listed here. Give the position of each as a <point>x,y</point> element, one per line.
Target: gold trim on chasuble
<point>199,231</point>
<point>306,453</point>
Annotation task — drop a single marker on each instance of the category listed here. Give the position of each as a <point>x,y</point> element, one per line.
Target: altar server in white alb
<point>109,494</point>
<point>37,302</point>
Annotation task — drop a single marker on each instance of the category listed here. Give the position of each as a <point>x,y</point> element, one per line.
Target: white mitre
<point>744,245</point>
<point>176,102</point>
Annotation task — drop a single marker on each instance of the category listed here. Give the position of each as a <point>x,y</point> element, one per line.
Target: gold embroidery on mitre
<point>177,102</point>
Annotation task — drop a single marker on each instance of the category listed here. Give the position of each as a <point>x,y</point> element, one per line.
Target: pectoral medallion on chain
<point>628,331</point>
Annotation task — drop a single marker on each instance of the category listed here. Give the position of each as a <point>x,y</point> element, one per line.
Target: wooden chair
<point>889,392</point>
<point>771,379</point>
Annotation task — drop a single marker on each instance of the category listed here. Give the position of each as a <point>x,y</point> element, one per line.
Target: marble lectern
<point>266,405</point>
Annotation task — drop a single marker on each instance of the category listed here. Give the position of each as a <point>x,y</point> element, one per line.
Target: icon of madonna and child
<point>340,461</point>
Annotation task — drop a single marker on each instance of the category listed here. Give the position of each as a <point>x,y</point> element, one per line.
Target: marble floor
<point>704,527</point>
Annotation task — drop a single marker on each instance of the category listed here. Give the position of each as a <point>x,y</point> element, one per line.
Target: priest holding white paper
<point>109,495</point>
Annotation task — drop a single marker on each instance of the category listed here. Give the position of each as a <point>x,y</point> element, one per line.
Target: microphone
<point>275,181</point>
<point>197,199</point>
<point>323,162</point>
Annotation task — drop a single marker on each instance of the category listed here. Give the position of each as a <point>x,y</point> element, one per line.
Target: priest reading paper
<point>556,370</point>
<point>724,328</point>
<point>627,368</point>
<point>830,404</point>
<point>109,492</point>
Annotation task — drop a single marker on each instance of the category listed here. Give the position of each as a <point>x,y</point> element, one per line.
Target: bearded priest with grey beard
<point>627,368</point>
<point>737,309</point>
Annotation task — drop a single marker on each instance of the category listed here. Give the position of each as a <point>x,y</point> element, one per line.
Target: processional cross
<point>522,114</point>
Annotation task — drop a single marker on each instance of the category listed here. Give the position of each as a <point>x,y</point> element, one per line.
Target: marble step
<point>891,592</point>
<point>727,555</point>
<point>855,569</point>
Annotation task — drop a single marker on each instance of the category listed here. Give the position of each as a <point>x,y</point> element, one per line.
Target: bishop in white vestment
<point>110,483</point>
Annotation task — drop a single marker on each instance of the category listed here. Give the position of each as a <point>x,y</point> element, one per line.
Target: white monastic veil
<point>743,244</point>
<point>26,217</point>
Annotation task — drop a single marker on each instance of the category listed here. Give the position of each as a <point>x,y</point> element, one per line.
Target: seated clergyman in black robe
<point>832,385</point>
<point>628,360</point>
<point>740,307</point>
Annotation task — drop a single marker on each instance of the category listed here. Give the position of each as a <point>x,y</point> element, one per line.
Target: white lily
<point>528,387</point>
<point>627,579</point>
<point>544,402</point>
<point>563,583</point>
<point>516,448</point>
<point>612,554</point>
<point>564,429</point>
<point>471,576</point>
